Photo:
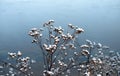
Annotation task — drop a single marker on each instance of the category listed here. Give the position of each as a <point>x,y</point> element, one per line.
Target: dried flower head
<point>59,30</point>
<point>72,46</point>
<point>89,42</point>
<point>34,41</point>
<point>34,32</point>
<point>99,45</point>
<point>79,30</point>
<point>76,54</point>
<point>19,53</point>
<point>56,40</point>
<point>69,36</point>
<point>50,48</point>
<point>62,47</point>
<point>85,52</point>
<point>48,73</point>
<point>12,55</point>
<point>71,26</point>
<point>84,46</point>
<point>48,24</point>
<point>64,37</point>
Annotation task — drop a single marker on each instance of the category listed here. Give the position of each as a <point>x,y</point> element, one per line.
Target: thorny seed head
<point>51,21</point>
<point>69,36</point>
<point>79,30</point>
<point>59,30</point>
<point>62,47</point>
<point>75,53</point>
<point>64,37</point>
<point>71,26</point>
<point>34,41</point>
<point>12,55</point>
<point>52,36</point>
<point>45,45</point>
<point>34,29</point>
<point>60,63</point>
<point>49,48</point>
<point>19,53</point>
<point>48,24</point>
<point>26,59</point>
<point>84,46</point>
<point>85,52</point>
<point>72,46</point>
<point>99,45</point>
<point>89,42</point>
<point>56,40</point>
<point>49,73</point>
<point>34,32</point>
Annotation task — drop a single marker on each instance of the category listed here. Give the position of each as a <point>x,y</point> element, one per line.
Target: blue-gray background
<point>99,18</point>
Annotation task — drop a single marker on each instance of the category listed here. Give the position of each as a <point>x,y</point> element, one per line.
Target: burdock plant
<point>63,55</point>
<point>58,49</point>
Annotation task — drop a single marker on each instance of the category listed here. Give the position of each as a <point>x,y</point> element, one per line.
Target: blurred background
<point>99,18</point>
